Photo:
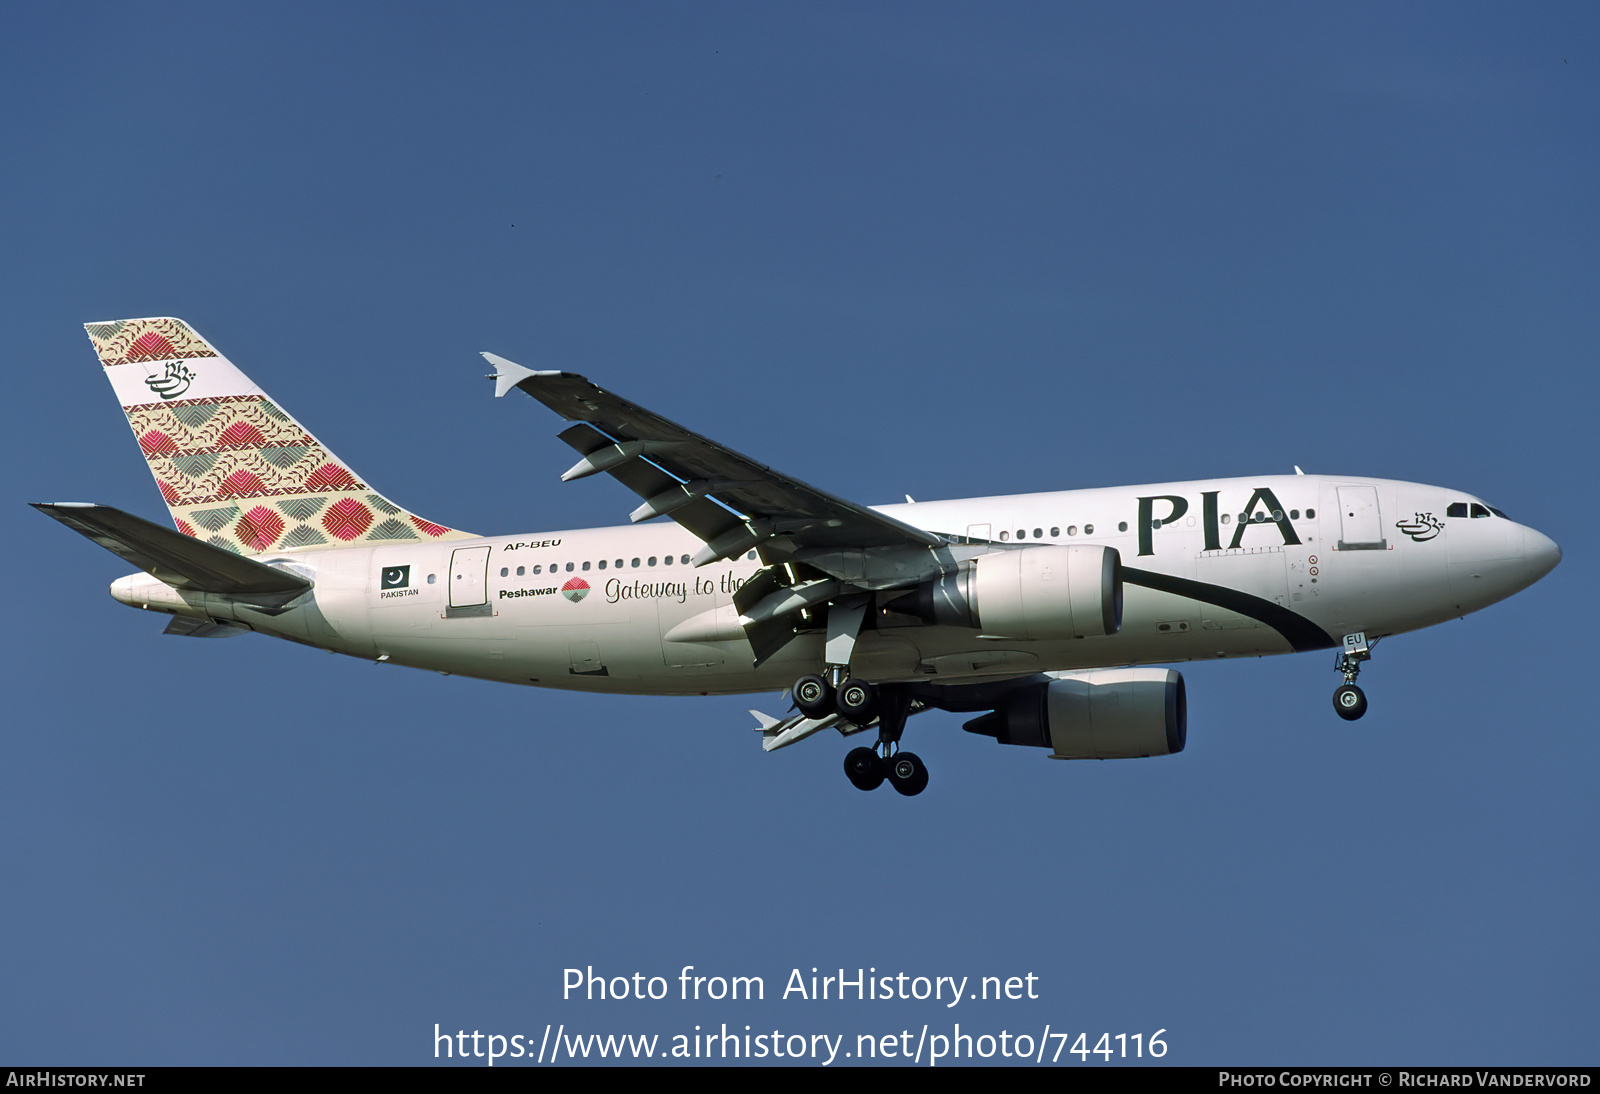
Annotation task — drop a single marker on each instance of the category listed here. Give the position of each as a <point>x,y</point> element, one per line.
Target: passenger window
<point>602,564</point>
<point>432,578</point>
<point>1457,509</point>
<point>1038,533</point>
<point>684,560</point>
<point>1055,533</point>
<point>538,569</point>
<point>667,560</point>
<point>1122,526</point>
<point>585,566</point>
<point>1311,514</point>
<point>1226,517</point>
<point>1004,536</point>
<point>1072,529</point>
<point>751,556</point>
<point>652,560</point>
<point>521,570</point>
<point>635,562</point>
<point>569,567</point>
<point>504,572</point>
<point>1294,514</point>
<point>1088,529</point>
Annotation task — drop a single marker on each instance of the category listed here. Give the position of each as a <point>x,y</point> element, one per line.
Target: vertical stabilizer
<point>234,468</point>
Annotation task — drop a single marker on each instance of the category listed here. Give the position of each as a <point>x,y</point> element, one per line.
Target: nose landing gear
<point>1349,702</point>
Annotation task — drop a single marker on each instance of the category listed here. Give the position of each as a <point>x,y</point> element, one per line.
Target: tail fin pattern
<point>234,468</point>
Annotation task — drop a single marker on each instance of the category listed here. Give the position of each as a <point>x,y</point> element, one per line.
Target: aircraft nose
<point>1540,553</point>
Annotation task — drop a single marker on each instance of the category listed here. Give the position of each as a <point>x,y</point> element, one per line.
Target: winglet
<point>508,374</point>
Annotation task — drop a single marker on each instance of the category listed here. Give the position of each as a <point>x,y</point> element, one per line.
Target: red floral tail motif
<point>259,528</point>
<point>218,446</point>
<point>242,433</point>
<point>152,346</point>
<point>347,519</point>
<point>330,476</point>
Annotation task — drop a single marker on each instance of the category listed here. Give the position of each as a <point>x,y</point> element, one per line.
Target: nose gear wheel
<point>1349,701</point>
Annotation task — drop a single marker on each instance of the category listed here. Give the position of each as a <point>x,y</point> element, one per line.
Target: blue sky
<point>942,250</point>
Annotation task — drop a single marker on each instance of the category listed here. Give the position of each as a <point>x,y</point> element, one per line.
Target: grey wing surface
<point>725,498</point>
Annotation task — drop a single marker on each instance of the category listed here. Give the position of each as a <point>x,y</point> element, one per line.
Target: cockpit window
<point>1477,509</point>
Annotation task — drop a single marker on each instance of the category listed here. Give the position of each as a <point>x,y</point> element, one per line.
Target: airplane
<point>1047,615</point>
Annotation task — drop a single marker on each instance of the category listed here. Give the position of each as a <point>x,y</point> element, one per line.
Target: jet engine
<point>1100,715</point>
<point>1029,593</point>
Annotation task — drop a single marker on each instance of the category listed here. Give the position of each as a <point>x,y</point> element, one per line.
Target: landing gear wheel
<point>813,696</point>
<point>857,700</point>
<point>908,774</point>
<point>1349,702</point>
<point>863,768</point>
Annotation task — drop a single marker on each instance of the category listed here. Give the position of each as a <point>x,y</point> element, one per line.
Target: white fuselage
<point>606,609</point>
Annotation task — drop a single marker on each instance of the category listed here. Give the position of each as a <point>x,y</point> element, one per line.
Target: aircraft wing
<point>725,498</point>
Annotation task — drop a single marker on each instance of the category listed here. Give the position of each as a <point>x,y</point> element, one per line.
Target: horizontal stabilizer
<point>179,560</point>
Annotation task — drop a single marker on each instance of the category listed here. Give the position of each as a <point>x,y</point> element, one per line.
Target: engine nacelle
<point>1028,593</point>
<point>1105,714</point>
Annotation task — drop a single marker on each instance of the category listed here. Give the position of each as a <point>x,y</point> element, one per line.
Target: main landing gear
<point>1348,700</point>
<point>905,771</point>
<point>853,700</point>
<point>860,702</point>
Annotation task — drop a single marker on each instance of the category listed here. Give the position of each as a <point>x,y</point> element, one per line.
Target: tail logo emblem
<point>173,382</point>
<point>575,590</point>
